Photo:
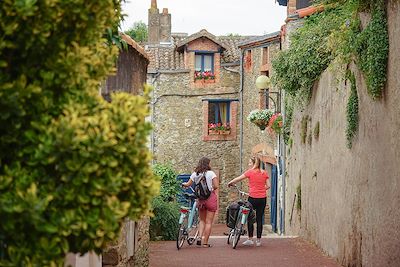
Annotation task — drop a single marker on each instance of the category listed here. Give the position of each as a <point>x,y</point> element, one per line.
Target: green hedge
<point>72,166</point>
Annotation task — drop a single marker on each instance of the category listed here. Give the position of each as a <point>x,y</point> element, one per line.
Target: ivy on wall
<point>335,34</point>
<point>352,110</point>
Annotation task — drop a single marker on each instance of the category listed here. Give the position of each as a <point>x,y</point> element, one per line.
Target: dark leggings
<point>259,206</point>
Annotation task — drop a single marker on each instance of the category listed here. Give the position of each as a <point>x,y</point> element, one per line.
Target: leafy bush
<point>72,166</point>
<point>164,224</point>
<point>169,184</point>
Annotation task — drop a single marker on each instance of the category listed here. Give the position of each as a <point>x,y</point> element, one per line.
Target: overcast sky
<point>219,17</point>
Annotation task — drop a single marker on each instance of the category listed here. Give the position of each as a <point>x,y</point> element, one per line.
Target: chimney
<point>165,26</point>
<point>154,24</point>
<point>154,4</point>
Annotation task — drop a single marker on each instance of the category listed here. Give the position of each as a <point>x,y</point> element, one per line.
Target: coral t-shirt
<point>257,183</point>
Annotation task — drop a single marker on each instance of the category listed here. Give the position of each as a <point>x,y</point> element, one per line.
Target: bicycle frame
<point>185,211</point>
<point>188,222</point>
<point>241,220</point>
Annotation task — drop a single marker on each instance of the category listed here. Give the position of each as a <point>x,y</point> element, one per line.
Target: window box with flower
<point>204,76</point>
<point>224,128</point>
<point>213,129</point>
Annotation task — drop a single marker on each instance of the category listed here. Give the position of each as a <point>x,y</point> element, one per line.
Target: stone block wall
<point>349,197</point>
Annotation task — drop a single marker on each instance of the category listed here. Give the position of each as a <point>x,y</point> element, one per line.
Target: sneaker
<point>258,243</point>
<point>248,242</point>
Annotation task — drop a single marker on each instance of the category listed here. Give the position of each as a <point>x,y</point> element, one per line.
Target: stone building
<point>258,54</point>
<point>196,83</point>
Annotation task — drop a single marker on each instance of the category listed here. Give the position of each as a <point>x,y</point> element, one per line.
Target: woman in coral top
<point>258,186</point>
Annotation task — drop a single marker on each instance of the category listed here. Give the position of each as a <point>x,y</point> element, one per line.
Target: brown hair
<point>203,165</point>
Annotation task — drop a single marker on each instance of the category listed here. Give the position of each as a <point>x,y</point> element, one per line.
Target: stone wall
<point>178,121</point>
<point>131,248</point>
<point>349,197</point>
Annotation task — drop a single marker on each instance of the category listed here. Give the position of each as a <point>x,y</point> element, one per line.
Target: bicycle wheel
<point>237,232</point>
<point>193,232</point>
<point>182,234</point>
<point>230,236</point>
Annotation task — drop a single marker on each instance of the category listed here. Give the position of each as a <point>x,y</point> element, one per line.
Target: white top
<point>210,175</point>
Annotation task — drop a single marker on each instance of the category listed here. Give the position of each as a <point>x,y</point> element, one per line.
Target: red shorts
<point>210,204</point>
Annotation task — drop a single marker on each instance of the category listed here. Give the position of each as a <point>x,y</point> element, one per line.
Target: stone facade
<point>181,105</point>
<point>178,121</point>
<point>262,51</point>
<point>349,197</point>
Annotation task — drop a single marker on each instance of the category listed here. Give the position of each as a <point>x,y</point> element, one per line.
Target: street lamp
<point>263,83</point>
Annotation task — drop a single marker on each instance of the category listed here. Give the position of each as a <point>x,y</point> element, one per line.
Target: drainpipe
<point>283,157</point>
<point>241,111</point>
<point>153,104</point>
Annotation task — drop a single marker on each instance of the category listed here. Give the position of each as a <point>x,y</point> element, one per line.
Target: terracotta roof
<point>168,57</point>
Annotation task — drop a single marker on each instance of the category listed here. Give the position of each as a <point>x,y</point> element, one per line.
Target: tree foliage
<point>72,166</point>
<point>138,31</point>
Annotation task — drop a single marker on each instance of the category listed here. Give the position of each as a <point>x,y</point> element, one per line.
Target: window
<point>204,62</point>
<point>265,59</point>
<point>218,112</point>
<point>220,116</point>
<point>247,60</point>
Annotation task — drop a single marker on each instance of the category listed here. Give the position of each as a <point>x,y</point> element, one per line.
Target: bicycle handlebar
<point>240,192</point>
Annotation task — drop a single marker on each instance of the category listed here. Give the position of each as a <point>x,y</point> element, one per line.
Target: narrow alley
<point>275,251</point>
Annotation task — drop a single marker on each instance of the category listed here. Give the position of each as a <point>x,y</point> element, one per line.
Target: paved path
<point>275,251</point>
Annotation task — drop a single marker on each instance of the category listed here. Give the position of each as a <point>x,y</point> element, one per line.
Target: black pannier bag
<point>232,212</point>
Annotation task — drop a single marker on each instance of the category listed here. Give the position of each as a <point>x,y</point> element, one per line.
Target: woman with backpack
<point>258,186</point>
<point>206,182</point>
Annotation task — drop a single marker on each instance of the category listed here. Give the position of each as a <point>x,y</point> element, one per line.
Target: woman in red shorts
<point>258,185</point>
<point>208,207</point>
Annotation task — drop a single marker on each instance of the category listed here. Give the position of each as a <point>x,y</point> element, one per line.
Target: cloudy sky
<point>244,17</point>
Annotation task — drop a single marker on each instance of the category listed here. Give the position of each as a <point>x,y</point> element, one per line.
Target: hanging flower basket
<point>276,123</point>
<point>260,117</point>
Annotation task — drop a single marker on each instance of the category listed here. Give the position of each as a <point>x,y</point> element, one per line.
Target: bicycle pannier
<point>231,214</point>
<point>201,189</point>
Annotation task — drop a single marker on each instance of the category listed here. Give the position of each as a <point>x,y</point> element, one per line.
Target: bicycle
<point>241,220</point>
<point>188,222</point>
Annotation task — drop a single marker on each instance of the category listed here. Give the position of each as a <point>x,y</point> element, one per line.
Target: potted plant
<point>260,117</point>
<point>276,123</point>
<point>225,128</point>
<point>213,129</point>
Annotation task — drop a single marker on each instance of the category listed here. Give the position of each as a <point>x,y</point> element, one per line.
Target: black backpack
<point>201,189</point>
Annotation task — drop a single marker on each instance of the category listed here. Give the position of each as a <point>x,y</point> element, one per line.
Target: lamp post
<point>263,83</point>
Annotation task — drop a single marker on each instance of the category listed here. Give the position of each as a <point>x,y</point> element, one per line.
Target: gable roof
<point>134,45</point>
<point>197,35</point>
<point>166,57</point>
<point>260,40</point>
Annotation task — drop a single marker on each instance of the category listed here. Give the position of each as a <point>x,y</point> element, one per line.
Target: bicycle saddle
<point>188,195</point>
